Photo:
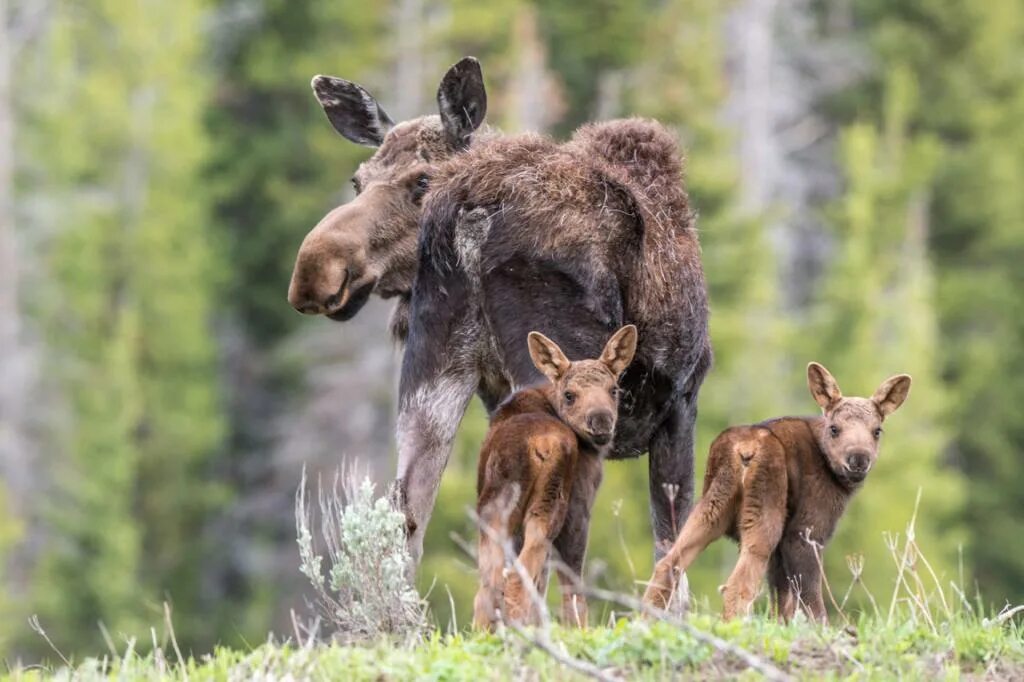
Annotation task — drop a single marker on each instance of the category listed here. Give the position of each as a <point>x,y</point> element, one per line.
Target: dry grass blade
<point>762,666</point>
<point>33,622</point>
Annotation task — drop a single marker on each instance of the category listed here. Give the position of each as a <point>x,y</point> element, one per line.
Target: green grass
<point>965,648</point>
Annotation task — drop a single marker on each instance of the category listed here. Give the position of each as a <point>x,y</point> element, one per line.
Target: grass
<point>964,648</point>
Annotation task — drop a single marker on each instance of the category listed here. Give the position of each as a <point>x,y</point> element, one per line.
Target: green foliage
<point>966,59</point>
<point>632,649</point>
<point>126,314</point>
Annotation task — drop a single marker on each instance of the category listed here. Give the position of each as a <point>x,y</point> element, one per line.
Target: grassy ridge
<point>633,649</point>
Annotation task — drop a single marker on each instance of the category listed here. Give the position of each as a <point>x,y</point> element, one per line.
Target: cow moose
<point>541,440</point>
<point>482,238</point>
<point>779,489</point>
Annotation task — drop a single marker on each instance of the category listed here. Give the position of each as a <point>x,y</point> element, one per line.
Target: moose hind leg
<point>762,517</point>
<point>519,605</point>
<point>711,518</point>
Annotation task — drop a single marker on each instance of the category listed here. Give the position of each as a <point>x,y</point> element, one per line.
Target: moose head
<point>368,245</point>
<point>586,393</point>
<point>852,427</point>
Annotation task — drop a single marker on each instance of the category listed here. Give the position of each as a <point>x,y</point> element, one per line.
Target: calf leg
<point>571,542</point>
<point>711,518</point>
<point>491,562</point>
<point>782,591</point>
<point>803,570</point>
<point>761,522</point>
<point>518,605</point>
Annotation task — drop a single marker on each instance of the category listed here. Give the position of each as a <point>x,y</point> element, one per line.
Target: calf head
<point>852,427</point>
<point>586,393</point>
<point>369,244</point>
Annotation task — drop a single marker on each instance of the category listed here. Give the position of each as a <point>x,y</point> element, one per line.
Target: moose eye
<point>420,188</point>
<point>569,397</point>
<point>834,430</point>
<point>877,433</point>
<point>355,185</point>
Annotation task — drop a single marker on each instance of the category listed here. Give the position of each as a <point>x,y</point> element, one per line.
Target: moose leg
<point>761,522</point>
<point>428,417</point>
<point>803,570</point>
<point>518,600</point>
<point>710,520</point>
<point>782,591</point>
<point>671,473</point>
<point>491,562</point>
<point>571,542</point>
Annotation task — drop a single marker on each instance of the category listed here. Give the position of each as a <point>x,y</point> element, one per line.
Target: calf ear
<point>547,356</point>
<point>619,350</point>
<point>462,101</point>
<point>891,394</point>
<point>352,110</point>
<point>823,386</point>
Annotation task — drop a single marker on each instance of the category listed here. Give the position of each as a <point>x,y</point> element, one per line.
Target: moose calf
<point>544,442</point>
<point>779,488</point>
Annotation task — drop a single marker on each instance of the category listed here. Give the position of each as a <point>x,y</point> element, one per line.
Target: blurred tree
<point>967,60</point>
<point>881,232</point>
<point>116,141</point>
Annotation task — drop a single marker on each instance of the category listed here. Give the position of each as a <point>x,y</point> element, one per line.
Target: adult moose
<point>516,234</point>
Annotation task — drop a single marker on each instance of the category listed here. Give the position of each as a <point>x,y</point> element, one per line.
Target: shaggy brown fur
<point>541,440</point>
<point>779,488</point>
<point>516,234</point>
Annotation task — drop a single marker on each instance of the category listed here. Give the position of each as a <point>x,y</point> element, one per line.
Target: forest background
<point>857,165</point>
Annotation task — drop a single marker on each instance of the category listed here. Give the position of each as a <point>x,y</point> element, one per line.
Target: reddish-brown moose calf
<point>542,455</point>
<point>779,488</point>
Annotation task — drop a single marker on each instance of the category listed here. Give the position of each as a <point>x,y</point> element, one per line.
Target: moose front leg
<point>671,473</point>
<point>428,417</point>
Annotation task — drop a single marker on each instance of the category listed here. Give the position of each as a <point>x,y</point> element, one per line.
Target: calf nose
<point>600,422</point>
<point>858,462</point>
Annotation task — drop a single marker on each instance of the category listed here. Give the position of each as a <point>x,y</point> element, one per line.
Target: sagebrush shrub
<point>364,591</point>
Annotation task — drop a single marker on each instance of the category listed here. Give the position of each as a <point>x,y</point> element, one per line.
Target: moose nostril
<point>308,308</point>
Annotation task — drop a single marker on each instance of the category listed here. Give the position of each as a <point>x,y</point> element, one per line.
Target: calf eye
<point>834,430</point>
<point>420,188</point>
<point>615,392</point>
<point>569,397</point>
<point>355,185</point>
<point>877,433</point>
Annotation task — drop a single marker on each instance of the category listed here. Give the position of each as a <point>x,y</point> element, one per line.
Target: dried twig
<point>1006,614</point>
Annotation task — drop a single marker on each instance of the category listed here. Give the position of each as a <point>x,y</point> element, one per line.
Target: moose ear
<point>352,110</point>
<point>823,386</point>
<point>619,350</point>
<point>462,101</point>
<point>891,394</point>
<point>547,356</point>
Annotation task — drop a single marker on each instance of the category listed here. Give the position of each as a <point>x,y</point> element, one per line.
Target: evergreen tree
<point>118,143</point>
<point>967,59</point>
<point>876,317</point>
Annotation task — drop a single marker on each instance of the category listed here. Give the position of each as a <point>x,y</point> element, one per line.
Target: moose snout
<point>858,463</point>
<point>601,424</point>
